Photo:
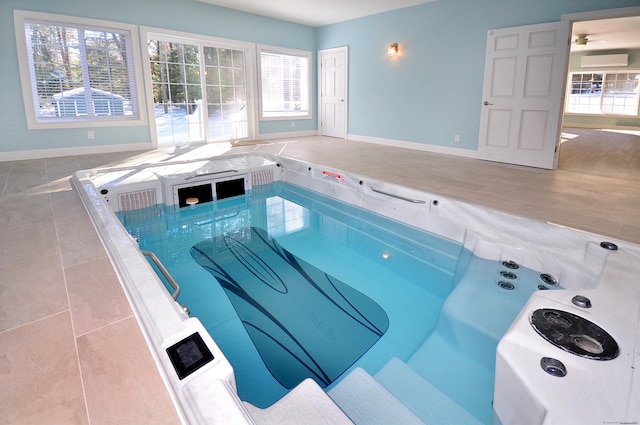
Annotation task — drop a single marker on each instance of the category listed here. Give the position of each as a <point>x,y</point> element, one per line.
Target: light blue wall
<point>427,95</point>
<point>434,89</point>
<point>184,15</point>
<point>602,121</point>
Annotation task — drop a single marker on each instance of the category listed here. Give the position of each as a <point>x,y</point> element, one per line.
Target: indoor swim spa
<point>264,284</point>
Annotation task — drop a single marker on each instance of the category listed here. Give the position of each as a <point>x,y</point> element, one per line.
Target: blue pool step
<point>396,395</point>
<point>479,311</point>
<point>463,378</point>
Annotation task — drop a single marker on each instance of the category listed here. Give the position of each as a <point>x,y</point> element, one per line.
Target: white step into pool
<point>397,394</point>
<point>366,401</point>
<point>305,404</point>
<point>424,399</point>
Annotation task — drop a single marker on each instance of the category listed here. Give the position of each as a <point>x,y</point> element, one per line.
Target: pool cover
<point>303,322</point>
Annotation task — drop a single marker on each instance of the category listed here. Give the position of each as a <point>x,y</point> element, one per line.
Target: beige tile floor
<point>71,351</point>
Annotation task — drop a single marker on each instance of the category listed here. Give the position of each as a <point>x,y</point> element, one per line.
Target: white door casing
<point>332,99</point>
<point>523,93</point>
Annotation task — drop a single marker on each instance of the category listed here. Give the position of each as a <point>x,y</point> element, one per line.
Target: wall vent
<point>604,60</point>
<point>137,200</point>
<point>259,178</point>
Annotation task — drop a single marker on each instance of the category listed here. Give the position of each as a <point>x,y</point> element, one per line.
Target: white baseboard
<point>413,145</point>
<point>599,126</point>
<point>82,150</point>
<point>287,135</point>
<point>87,150</point>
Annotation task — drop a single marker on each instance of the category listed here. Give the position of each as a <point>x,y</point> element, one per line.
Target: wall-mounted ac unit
<point>604,60</point>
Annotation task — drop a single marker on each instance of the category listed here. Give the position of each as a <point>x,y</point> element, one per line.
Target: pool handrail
<point>414,201</point>
<point>193,176</point>
<point>165,273</point>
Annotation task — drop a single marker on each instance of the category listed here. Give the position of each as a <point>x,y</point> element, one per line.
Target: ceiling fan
<point>583,39</point>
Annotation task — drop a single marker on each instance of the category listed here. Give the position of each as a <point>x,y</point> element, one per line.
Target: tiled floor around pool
<point>70,347</point>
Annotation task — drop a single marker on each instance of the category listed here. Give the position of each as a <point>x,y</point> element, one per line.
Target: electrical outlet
<point>91,135</point>
<point>293,123</point>
<point>456,138</point>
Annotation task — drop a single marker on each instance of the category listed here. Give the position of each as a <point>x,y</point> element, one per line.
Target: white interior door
<point>333,92</point>
<point>523,92</point>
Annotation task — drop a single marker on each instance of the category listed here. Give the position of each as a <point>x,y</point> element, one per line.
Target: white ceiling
<point>606,34</point>
<point>617,33</point>
<point>315,13</point>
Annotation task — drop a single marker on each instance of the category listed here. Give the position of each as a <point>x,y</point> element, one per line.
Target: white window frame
<point>287,52</point>
<point>604,74</point>
<point>22,17</point>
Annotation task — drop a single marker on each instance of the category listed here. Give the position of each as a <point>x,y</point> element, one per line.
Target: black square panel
<point>229,188</point>
<point>189,355</point>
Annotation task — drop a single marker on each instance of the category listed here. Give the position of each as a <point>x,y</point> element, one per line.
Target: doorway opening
<point>601,119</point>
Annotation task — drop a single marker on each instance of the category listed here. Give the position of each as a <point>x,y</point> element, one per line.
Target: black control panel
<point>189,355</point>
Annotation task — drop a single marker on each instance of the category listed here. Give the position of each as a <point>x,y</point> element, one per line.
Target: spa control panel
<point>189,355</point>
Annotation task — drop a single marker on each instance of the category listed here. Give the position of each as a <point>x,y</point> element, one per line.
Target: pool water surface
<point>420,297</point>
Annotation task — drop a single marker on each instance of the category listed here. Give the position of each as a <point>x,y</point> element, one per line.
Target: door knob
<point>486,103</point>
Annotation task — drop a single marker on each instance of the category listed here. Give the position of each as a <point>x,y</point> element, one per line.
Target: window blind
<point>80,73</point>
<point>284,82</point>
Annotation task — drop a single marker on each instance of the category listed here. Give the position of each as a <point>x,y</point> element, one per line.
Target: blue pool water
<point>446,309</point>
<point>304,322</point>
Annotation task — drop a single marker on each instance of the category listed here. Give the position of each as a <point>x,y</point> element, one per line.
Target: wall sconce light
<point>393,49</point>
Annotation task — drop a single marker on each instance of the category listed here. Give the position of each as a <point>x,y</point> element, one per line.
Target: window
<point>613,93</point>
<point>284,216</point>
<point>79,71</point>
<point>285,83</point>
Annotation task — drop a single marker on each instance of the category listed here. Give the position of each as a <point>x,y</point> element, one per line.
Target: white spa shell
<point>592,392</point>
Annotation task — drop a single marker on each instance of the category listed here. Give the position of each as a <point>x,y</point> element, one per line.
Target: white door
<point>333,92</point>
<point>523,93</point>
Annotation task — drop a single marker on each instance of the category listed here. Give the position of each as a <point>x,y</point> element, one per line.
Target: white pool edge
<point>573,256</point>
<point>206,397</point>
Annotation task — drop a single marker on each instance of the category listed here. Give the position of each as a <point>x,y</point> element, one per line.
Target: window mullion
<point>107,59</point>
<point>602,89</point>
<point>204,103</point>
<point>86,82</point>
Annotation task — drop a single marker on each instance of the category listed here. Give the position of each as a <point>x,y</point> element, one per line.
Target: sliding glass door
<point>226,93</point>
<point>199,91</point>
